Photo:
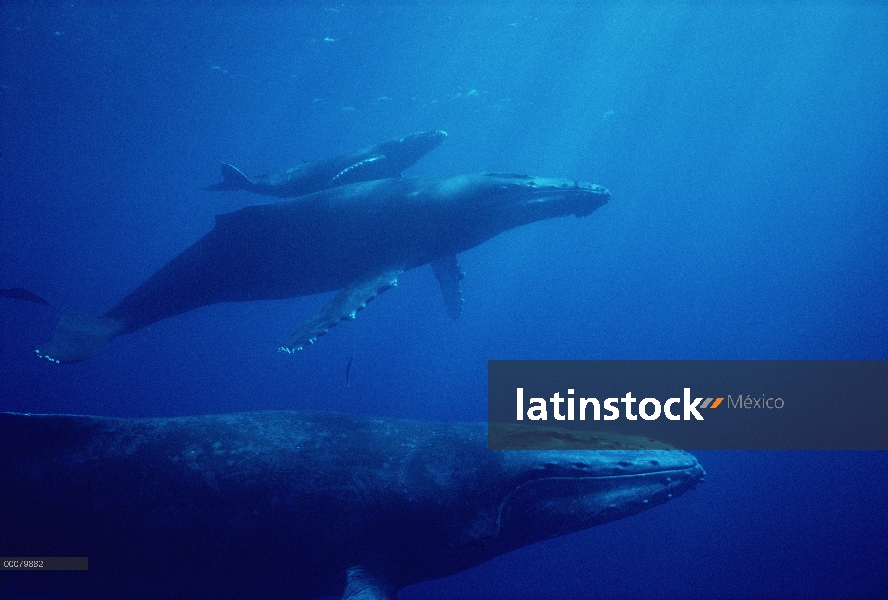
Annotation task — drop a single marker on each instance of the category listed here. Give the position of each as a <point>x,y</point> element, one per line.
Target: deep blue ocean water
<point>745,145</point>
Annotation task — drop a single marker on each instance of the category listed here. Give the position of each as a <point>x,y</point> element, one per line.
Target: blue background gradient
<point>745,145</point>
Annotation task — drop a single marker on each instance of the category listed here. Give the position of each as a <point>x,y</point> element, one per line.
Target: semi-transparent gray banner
<point>692,405</point>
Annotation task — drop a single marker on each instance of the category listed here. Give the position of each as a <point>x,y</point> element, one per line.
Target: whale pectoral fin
<point>361,584</point>
<point>363,170</point>
<point>345,305</point>
<point>232,180</point>
<point>449,275</point>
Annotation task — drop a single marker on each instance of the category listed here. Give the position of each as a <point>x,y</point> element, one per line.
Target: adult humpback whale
<point>294,505</point>
<point>376,162</point>
<point>358,238</point>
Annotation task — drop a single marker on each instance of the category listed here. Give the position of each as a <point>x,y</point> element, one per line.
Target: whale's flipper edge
<point>78,337</point>
<point>449,275</point>
<point>232,180</point>
<point>345,305</point>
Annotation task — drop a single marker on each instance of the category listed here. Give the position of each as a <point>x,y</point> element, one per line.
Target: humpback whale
<point>295,504</point>
<point>382,161</point>
<point>356,238</point>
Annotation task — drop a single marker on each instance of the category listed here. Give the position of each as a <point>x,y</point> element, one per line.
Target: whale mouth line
<point>613,476</point>
<point>580,201</point>
<point>574,191</point>
<point>539,196</point>
<point>598,498</point>
<point>686,477</point>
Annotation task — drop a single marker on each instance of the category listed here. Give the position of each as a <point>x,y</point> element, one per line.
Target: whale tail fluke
<point>232,180</point>
<point>77,336</point>
<point>23,294</point>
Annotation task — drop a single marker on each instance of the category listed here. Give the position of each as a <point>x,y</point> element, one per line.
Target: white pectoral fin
<point>449,275</point>
<point>364,170</point>
<point>345,305</point>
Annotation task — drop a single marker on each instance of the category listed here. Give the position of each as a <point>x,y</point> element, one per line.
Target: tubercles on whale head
<point>542,198</point>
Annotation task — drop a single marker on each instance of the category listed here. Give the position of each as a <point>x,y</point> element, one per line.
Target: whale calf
<point>381,161</point>
<point>358,238</point>
<point>295,504</point>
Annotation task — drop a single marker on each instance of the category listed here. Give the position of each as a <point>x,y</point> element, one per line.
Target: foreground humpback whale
<point>295,505</point>
<point>382,161</point>
<point>358,238</point>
